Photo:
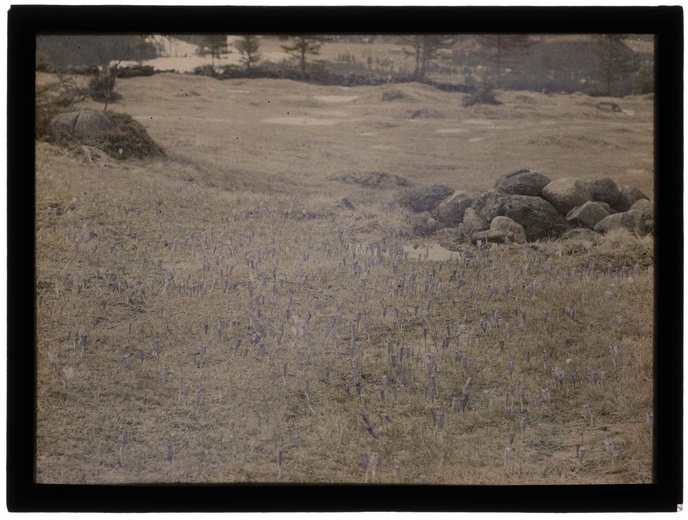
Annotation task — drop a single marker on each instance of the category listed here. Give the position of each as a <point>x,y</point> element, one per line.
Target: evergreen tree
<point>426,49</point>
<point>215,45</point>
<point>303,45</point>
<point>249,47</point>
<point>616,59</point>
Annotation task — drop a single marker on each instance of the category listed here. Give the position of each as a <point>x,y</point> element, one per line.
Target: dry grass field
<point>219,316</point>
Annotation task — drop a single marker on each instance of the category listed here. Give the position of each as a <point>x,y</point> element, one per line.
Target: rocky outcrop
<point>568,208</point>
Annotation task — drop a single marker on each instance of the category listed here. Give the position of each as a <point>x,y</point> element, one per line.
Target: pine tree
<point>249,47</point>
<point>303,45</point>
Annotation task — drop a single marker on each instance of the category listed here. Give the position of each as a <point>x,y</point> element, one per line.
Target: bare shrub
<point>51,99</point>
<point>102,87</point>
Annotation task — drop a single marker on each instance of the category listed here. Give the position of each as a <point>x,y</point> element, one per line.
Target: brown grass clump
<point>128,139</point>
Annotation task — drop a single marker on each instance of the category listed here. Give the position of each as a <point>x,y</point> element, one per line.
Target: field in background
<point>219,316</point>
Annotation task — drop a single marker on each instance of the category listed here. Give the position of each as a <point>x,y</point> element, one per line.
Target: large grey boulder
<point>604,190</point>
<point>82,125</point>
<point>567,193</point>
<point>488,206</point>
<point>425,198</point>
<point>633,221</point>
<point>537,216</point>
<point>587,215</point>
<point>522,182</point>
<point>628,196</point>
<point>451,210</point>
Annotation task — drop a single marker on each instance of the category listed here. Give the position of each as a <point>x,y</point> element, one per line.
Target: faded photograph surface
<point>344,258</point>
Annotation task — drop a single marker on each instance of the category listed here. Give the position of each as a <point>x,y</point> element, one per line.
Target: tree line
<point>614,58</point>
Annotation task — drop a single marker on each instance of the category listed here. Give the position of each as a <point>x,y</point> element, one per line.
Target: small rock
<point>347,204</point>
<point>504,226</point>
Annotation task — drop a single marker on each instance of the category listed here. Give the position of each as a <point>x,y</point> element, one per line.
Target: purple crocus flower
<point>464,402</point>
<point>364,460</point>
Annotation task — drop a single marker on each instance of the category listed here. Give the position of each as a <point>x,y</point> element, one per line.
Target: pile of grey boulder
<point>526,206</point>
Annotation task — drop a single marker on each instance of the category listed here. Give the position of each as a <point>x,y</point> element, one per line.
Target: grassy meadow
<point>219,315</point>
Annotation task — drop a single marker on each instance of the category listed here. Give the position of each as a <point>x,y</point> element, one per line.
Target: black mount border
<point>25,22</point>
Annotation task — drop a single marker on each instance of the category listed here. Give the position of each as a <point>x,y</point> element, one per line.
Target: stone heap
<point>526,206</point>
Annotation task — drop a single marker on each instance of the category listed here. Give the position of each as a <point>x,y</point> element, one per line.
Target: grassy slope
<point>243,236</point>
